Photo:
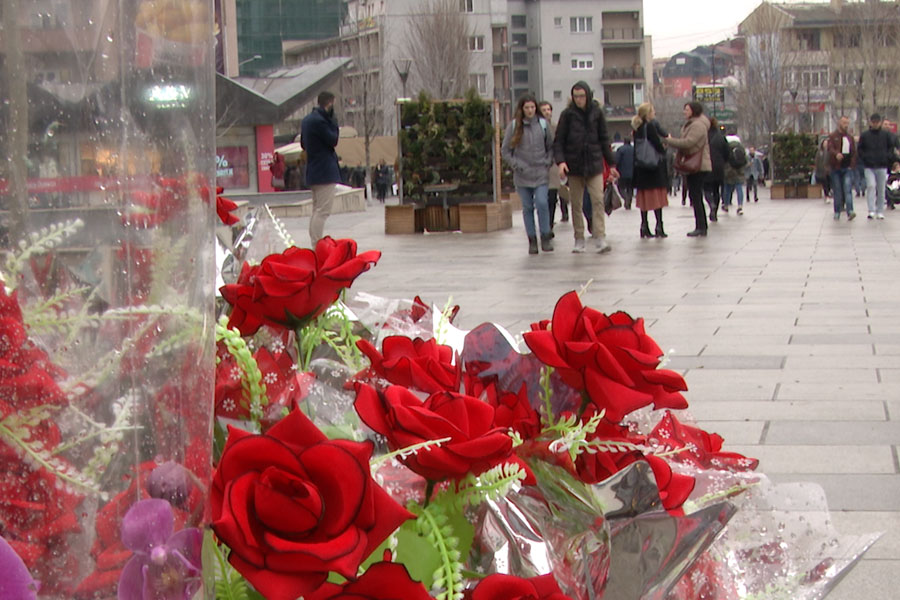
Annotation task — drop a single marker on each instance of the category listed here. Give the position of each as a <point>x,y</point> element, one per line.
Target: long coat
<point>718,154</point>
<point>319,137</point>
<point>582,140</point>
<point>648,179</point>
<point>695,138</point>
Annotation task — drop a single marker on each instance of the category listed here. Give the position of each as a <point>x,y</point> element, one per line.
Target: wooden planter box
<point>479,218</point>
<point>814,190</point>
<point>778,191</point>
<point>438,218</point>
<point>781,191</point>
<point>402,219</point>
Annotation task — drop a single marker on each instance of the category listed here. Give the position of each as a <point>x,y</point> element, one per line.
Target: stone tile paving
<point>783,322</point>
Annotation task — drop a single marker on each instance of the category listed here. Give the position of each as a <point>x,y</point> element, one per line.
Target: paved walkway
<point>785,323</point>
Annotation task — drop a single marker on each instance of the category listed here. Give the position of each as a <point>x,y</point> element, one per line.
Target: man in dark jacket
<point>718,154</point>
<point>580,149</point>
<point>876,153</point>
<point>319,137</point>
<point>842,159</point>
<point>625,166</point>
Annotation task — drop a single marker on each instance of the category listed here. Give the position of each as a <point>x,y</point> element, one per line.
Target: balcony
<point>629,74</point>
<point>618,113</point>
<point>501,58</point>
<point>622,35</point>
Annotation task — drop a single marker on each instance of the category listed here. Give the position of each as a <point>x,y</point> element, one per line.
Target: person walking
<point>553,189</point>
<point>735,168</point>
<point>754,173</point>
<point>718,154</point>
<point>695,138</point>
<point>823,175</point>
<point>842,161</point>
<point>876,153</point>
<point>580,148</point>
<point>650,182</point>
<point>319,138</point>
<point>526,148</point>
<point>625,166</point>
<point>382,180</point>
<point>277,168</point>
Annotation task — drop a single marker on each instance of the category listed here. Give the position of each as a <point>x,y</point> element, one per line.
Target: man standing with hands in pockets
<point>580,149</point>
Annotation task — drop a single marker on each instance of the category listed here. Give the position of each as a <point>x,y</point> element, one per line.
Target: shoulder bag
<point>686,164</point>
<point>645,155</point>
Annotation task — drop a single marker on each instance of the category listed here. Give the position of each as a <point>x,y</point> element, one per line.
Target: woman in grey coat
<point>527,148</point>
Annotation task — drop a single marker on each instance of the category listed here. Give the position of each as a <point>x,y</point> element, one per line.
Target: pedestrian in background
<point>823,173</point>
<point>553,195</point>
<point>277,168</point>
<point>319,137</point>
<point>695,138</point>
<point>718,155</point>
<point>735,169</point>
<point>842,161</point>
<point>754,173</point>
<point>625,166</point>
<point>876,153</point>
<point>580,149</point>
<point>527,149</point>
<point>382,180</point>
<point>650,183</point>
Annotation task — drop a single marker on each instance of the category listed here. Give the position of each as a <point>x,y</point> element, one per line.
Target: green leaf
<point>419,555</point>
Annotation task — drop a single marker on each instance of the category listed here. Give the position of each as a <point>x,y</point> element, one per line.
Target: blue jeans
<point>842,188</point>
<point>729,190</point>
<point>875,180</point>
<point>535,197</point>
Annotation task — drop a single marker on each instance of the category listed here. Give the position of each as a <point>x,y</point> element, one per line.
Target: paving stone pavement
<point>783,322</point>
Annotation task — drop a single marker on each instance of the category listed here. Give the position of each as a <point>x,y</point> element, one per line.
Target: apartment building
<point>554,43</point>
<point>832,59</point>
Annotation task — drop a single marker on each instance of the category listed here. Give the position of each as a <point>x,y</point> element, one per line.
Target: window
<point>809,39</point>
<point>582,62</point>
<point>520,76</point>
<point>520,58</point>
<point>479,82</point>
<point>555,58</point>
<point>680,61</point>
<point>581,24</point>
<point>846,39</point>
<point>467,6</point>
<point>519,39</point>
<point>557,94</point>
<point>518,21</point>
<point>476,43</point>
<point>519,92</point>
<point>557,21</point>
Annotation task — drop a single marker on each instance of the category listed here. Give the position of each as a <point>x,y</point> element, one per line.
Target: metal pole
<point>17,128</point>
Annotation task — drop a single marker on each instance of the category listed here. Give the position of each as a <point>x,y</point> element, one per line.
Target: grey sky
<point>678,26</point>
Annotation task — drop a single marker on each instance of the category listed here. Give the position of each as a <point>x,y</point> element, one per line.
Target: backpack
<point>737,156</point>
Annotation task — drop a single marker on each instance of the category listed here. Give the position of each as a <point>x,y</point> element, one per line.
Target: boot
<point>645,230</point>
<point>660,232</point>
<point>546,244</point>
<point>564,207</point>
<point>532,245</point>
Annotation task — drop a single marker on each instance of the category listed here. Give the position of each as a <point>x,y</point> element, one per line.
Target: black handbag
<point>645,155</point>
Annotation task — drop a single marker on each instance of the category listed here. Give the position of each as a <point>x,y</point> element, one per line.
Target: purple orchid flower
<point>15,580</point>
<point>165,565</point>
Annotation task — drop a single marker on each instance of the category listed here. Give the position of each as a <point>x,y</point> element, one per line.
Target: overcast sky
<point>682,25</point>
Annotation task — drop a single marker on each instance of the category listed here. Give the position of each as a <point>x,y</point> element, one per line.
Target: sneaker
<point>851,216</point>
<point>603,246</point>
<point>879,216</point>
<point>725,208</point>
<point>837,216</point>
<point>740,210</point>
<point>871,215</point>
<point>579,247</point>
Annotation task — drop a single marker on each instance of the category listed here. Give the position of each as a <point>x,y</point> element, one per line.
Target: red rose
<point>476,442</point>
<point>609,357</point>
<point>513,411</point>
<point>421,364</point>
<point>509,587</point>
<point>293,506</point>
<point>286,290</point>
<point>224,206</point>
<point>381,581</point>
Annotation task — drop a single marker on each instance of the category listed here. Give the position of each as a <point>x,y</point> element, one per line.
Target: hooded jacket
<point>876,148</point>
<point>582,140</point>
<point>695,138</point>
<point>531,158</point>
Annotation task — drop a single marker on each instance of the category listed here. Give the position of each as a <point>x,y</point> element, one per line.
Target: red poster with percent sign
<point>233,167</point>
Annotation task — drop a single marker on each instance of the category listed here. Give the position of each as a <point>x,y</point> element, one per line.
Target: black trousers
<point>695,192</point>
<point>552,199</point>
<point>713,192</point>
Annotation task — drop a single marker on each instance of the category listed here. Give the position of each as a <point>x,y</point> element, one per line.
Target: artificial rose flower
<point>415,363</point>
<point>609,357</point>
<point>703,449</point>
<point>419,309</point>
<point>165,563</point>
<point>510,587</point>
<point>513,411</point>
<point>381,581</point>
<point>224,206</point>
<point>289,289</point>
<point>293,506</point>
<point>475,442</point>
<point>674,488</point>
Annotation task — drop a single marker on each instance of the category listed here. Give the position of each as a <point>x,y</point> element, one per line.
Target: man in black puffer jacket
<point>876,149</point>
<point>580,149</point>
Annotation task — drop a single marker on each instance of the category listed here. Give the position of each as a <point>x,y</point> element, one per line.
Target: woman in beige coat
<point>695,138</point>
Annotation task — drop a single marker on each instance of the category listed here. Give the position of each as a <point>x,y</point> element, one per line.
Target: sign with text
<point>709,93</point>
<point>233,167</point>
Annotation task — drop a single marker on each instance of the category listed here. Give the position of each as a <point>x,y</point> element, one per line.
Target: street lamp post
<point>403,66</point>
<point>249,60</point>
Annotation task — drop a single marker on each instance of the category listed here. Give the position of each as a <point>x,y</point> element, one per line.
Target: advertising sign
<point>233,167</point>
<point>709,93</point>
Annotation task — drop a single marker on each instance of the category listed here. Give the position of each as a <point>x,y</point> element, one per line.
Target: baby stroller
<point>892,189</point>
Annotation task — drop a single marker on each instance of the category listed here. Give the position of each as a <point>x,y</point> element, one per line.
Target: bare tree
<point>438,41</point>
<point>761,91</point>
